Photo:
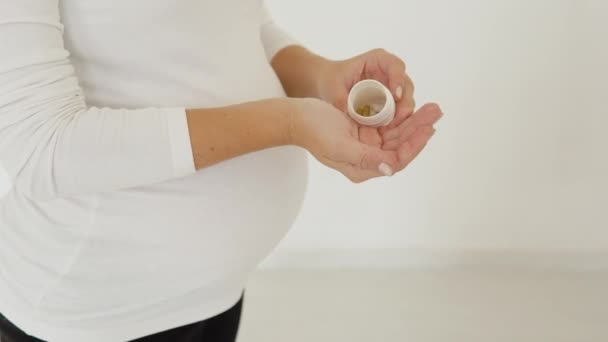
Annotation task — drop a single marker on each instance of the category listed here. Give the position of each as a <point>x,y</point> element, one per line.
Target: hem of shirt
<point>181,147</point>
<point>183,310</point>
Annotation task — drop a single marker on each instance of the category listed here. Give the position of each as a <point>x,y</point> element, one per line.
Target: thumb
<point>370,158</point>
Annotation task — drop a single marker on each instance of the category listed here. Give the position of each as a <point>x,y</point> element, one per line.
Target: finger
<point>365,157</point>
<point>426,115</point>
<point>388,69</point>
<point>399,118</point>
<point>358,176</point>
<point>351,172</point>
<point>407,103</point>
<point>407,153</point>
<point>394,144</point>
<point>370,136</point>
<point>413,146</point>
<point>405,107</point>
<point>397,79</point>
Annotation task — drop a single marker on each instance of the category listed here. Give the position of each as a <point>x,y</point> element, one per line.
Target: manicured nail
<point>399,92</point>
<point>385,170</point>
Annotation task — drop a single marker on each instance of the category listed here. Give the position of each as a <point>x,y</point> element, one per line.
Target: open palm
<point>406,136</point>
<point>360,152</point>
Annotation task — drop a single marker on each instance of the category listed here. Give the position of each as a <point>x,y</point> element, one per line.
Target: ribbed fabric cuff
<point>181,148</point>
<point>275,39</point>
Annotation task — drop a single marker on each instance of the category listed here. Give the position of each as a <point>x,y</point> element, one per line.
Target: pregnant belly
<point>188,234</point>
<point>229,215</point>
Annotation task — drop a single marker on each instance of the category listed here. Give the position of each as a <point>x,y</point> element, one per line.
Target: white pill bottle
<point>375,96</point>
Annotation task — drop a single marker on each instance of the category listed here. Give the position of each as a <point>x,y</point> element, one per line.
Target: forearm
<point>218,134</point>
<point>299,70</point>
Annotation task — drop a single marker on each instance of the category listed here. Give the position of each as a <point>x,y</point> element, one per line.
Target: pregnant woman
<point>138,208</point>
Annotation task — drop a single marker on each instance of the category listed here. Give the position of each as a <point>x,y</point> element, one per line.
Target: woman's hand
<point>360,153</point>
<point>338,77</point>
<point>335,139</point>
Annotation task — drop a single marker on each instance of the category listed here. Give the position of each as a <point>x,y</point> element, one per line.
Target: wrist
<point>296,126</point>
<point>322,73</point>
<point>303,80</point>
<point>281,120</point>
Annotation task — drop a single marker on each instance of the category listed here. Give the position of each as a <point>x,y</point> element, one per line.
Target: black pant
<point>221,328</point>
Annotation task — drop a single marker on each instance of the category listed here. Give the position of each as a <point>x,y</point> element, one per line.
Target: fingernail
<point>399,92</point>
<point>385,169</point>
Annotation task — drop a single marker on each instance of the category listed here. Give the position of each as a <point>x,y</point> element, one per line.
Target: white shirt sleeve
<point>51,144</point>
<point>273,37</point>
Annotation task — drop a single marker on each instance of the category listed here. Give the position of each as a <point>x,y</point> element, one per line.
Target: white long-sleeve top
<point>108,233</point>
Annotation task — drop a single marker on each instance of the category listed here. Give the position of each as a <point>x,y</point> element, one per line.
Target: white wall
<point>520,159</point>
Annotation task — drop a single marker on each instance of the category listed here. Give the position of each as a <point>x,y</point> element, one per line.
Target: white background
<point>520,160</point>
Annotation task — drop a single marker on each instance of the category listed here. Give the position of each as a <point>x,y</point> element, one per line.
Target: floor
<point>455,306</point>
